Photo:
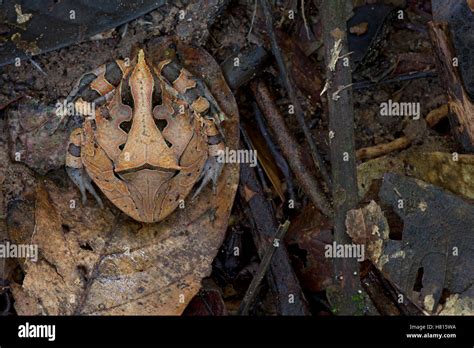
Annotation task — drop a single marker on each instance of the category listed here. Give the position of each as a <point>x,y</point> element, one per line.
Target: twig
<point>254,14</point>
<point>405,77</point>
<point>403,142</point>
<point>262,269</point>
<point>286,79</point>
<point>342,145</point>
<point>383,149</point>
<point>290,148</point>
<point>304,20</point>
<point>37,66</point>
<point>281,277</point>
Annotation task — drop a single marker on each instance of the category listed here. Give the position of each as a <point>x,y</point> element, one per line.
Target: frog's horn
<point>141,57</point>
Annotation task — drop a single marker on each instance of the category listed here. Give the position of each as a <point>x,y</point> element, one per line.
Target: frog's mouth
<point>148,167</point>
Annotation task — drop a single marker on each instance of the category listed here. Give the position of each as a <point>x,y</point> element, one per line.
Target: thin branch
<point>254,14</point>
<point>290,148</point>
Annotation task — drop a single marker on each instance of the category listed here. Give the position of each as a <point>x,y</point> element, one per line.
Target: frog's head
<point>145,146</point>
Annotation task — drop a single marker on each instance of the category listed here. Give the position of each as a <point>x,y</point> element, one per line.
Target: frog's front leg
<point>75,168</point>
<point>214,165</point>
<point>195,92</point>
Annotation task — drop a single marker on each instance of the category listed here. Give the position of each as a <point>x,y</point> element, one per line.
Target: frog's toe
<point>211,171</point>
<point>80,178</point>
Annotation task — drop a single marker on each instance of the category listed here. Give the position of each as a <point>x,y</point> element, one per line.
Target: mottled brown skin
<point>170,147</point>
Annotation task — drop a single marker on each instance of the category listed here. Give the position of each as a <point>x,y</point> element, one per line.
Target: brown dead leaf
<point>207,302</point>
<point>368,226</point>
<point>94,263</point>
<point>266,160</point>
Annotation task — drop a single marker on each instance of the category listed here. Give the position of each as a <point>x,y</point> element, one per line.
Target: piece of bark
<point>385,295</point>
<point>462,108</point>
<point>240,68</point>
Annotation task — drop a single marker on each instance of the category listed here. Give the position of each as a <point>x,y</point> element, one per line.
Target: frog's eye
<point>113,74</point>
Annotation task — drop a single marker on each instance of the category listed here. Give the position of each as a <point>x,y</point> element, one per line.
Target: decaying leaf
<point>94,263</point>
<point>453,172</point>
<point>368,226</point>
<point>459,305</point>
<point>207,302</point>
<point>374,169</point>
<point>435,254</point>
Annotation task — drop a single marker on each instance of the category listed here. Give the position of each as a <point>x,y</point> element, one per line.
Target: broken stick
<point>281,278</point>
<point>342,144</point>
<point>403,142</point>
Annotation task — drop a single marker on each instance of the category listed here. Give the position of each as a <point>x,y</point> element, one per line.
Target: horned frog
<point>154,135</point>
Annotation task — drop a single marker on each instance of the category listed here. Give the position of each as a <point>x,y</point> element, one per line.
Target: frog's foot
<point>75,169</point>
<point>211,172</point>
<point>83,182</point>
